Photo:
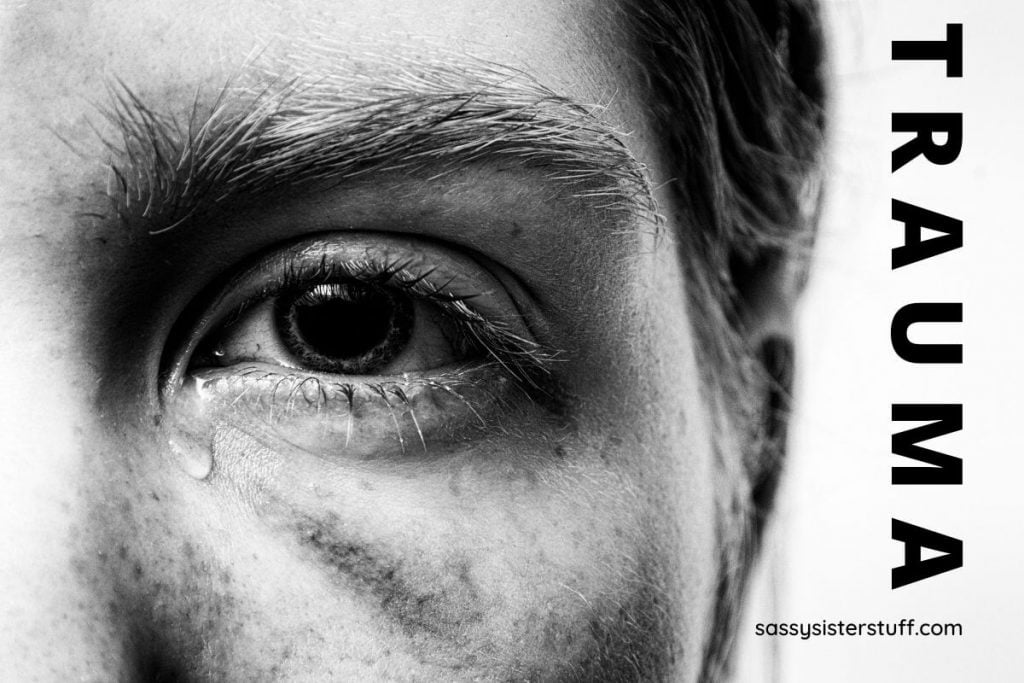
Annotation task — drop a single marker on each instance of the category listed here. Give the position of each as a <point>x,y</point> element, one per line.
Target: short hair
<point>737,93</point>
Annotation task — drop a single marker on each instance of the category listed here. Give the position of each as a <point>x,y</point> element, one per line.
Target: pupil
<point>348,327</point>
<point>342,329</point>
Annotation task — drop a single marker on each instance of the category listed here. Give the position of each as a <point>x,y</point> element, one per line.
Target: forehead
<point>55,46</point>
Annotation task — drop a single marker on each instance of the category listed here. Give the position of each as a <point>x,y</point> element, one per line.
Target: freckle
<point>560,452</point>
<point>517,229</point>
<point>365,485</point>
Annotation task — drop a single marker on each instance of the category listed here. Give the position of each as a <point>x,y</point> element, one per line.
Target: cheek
<point>521,558</point>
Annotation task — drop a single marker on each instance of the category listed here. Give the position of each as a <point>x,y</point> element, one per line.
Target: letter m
<point>942,418</point>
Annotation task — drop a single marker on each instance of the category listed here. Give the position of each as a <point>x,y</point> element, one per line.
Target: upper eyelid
<point>394,274</point>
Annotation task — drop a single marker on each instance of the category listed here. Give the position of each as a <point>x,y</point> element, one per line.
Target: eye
<point>339,341</point>
<point>347,326</point>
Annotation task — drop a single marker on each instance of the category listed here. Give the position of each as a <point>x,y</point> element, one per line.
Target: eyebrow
<point>433,120</point>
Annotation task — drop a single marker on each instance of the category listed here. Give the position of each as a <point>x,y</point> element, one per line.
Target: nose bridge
<point>54,613</point>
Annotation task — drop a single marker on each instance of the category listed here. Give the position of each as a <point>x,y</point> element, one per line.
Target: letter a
<point>914,538</point>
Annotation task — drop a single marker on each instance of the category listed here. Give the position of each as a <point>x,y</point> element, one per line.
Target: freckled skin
<point>576,547</point>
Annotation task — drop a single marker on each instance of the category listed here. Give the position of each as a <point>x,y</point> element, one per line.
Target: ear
<point>767,286</point>
<point>768,277</point>
<point>767,291</point>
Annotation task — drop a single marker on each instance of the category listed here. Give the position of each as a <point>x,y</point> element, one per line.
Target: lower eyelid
<point>360,420</point>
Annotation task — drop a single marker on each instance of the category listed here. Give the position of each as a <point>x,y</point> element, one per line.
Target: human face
<point>521,491</point>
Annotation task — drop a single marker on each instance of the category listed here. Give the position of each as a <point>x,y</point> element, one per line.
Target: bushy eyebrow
<point>427,120</point>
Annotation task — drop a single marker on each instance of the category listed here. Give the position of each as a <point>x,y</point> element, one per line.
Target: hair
<point>738,95</point>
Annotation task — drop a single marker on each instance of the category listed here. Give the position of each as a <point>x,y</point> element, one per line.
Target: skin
<point>545,545</point>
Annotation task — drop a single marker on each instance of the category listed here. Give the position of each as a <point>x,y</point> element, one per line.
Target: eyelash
<point>523,359</point>
<point>344,398</point>
<point>501,348</point>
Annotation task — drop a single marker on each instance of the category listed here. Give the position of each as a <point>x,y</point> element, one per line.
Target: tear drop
<point>194,457</point>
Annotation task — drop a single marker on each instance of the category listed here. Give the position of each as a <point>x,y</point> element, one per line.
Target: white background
<point>831,544</point>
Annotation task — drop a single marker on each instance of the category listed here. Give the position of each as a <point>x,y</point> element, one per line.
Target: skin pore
<point>183,515</point>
